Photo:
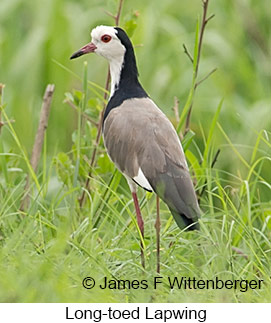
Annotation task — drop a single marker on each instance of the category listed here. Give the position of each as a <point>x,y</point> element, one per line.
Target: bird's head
<point>113,44</point>
<point>105,42</point>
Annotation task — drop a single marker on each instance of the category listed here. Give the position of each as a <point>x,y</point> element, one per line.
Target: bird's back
<point>138,135</point>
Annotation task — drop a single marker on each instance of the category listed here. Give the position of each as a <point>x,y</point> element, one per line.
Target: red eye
<point>106,38</point>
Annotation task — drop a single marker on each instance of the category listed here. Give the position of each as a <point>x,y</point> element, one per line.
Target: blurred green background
<point>48,249</point>
<point>237,42</point>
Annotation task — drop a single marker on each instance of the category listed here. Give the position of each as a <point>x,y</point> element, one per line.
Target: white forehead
<point>99,31</point>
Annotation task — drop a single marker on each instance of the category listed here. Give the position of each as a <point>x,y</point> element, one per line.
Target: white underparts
<point>142,181</point>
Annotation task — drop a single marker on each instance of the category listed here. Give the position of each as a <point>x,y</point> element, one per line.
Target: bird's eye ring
<point>106,38</point>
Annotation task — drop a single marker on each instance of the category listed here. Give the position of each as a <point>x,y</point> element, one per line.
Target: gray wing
<point>138,135</point>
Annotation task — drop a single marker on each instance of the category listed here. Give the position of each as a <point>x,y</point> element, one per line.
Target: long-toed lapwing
<point>139,138</point>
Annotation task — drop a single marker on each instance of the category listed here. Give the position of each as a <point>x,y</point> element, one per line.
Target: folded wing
<point>139,137</point>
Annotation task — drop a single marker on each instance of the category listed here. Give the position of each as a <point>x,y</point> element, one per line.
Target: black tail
<point>174,186</point>
<point>184,222</point>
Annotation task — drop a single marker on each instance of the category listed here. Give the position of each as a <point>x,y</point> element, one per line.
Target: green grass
<point>47,249</point>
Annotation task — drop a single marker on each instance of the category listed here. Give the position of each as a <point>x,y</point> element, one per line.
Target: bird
<point>140,139</point>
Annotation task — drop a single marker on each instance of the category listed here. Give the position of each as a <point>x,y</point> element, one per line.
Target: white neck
<point>115,71</point>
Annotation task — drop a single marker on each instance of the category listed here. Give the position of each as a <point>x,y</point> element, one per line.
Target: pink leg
<point>157,226</point>
<point>140,225</point>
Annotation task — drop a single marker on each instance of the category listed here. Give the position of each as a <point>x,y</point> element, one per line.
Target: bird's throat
<point>115,73</point>
<point>124,81</point>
